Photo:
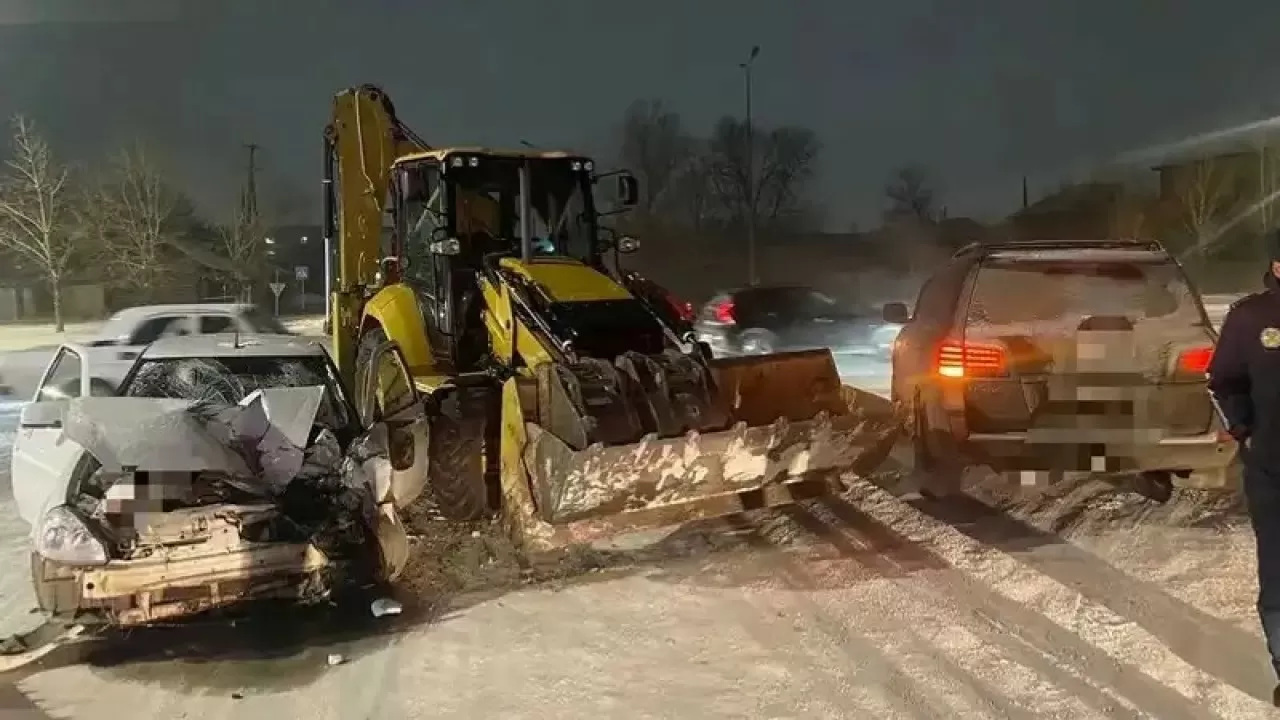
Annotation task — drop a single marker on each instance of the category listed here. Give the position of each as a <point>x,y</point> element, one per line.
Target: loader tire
<point>369,342</point>
<point>455,472</point>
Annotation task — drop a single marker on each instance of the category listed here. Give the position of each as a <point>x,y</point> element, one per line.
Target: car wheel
<point>756,342</point>
<point>939,466</point>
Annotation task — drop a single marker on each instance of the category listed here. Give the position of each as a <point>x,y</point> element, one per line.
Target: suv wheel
<point>939,466</point>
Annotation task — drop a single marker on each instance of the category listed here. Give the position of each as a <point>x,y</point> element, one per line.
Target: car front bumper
<point>181,581</point>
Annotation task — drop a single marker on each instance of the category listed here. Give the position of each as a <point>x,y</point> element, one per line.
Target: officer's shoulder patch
<point>1270,338</point>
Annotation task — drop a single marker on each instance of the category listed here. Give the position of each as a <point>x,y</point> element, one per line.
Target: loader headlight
<point>65,539</point>
<point>582,165</point>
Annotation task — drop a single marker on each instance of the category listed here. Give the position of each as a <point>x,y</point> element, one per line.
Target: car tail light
<point>1195,361</point>
<point>683,310</point>
<point>968,359</point>
<point>723,312</point>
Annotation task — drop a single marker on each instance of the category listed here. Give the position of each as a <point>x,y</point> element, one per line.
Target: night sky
<point>1044,88</point>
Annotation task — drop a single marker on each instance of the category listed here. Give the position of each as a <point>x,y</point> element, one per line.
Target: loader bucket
<point>795,429</point>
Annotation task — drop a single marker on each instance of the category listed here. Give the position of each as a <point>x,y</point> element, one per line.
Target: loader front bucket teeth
<point>792,430</point>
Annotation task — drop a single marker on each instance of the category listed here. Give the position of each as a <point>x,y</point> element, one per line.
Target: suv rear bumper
<point>1201,461</point>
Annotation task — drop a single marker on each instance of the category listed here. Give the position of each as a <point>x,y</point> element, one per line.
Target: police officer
<point>1244,380</point>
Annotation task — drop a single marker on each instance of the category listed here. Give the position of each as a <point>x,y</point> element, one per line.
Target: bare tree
<point>243,247</point>
<point>1265,211</point>
<point>691,202</point>
<point>911,196</point>
<point>136,215</point>
<point>35,212</point>
<point>771,188</point>
<point>656,148</point>
<point>1204,196</point>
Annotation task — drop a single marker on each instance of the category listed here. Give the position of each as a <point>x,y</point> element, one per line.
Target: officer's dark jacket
<point>1244,375</point>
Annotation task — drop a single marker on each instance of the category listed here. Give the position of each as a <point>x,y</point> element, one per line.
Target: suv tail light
<point>1195,361</point>
<point>968,359</point>
<point>723,312</point>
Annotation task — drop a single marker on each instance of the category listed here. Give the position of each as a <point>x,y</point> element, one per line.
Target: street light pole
<point>752,278</point>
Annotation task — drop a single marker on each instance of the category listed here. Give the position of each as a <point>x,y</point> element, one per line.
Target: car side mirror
<point>896,313</point>
<point>628,190</point>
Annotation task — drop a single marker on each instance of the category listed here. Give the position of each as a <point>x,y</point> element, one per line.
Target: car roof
<point>232,344</point>
<point>1089,254</point>
<point>124,321</point>
<point>1064,246</point>
<point>764,289</point>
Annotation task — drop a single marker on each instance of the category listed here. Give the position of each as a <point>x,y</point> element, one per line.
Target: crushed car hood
<point>260,445</point>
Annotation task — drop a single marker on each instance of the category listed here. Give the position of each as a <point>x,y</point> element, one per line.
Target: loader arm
<point>363,139</point>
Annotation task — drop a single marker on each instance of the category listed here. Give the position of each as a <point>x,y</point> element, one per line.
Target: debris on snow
<point>385,606</point>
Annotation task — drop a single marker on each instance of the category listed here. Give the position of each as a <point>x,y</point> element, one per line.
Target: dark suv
<point>1039,358</point>
<point>765,319</point>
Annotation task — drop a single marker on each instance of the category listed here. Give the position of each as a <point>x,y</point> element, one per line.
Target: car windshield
<point>228,380</point>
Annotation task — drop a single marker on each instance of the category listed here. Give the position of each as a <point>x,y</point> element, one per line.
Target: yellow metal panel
<point>396,310</point>
<point>568,280</point>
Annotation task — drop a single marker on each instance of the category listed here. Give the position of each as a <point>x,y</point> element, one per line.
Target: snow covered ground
<point>1082,602</point>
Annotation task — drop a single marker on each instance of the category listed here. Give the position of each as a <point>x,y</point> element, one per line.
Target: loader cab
<point>457,212</point>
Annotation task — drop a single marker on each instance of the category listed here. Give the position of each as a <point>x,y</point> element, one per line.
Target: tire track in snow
<point>924,679</point>
<point>904,698</point>
<point>1141,666</point>
<point>1052,682</point>
<point>1212,644</point>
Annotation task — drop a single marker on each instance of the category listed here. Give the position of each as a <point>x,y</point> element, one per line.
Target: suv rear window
<point>1016,292</point>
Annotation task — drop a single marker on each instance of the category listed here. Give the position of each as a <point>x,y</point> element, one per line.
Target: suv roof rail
<point>1005,245</point>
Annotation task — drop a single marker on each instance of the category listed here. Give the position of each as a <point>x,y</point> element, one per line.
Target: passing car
<point>779,318</point>
<point>224,468</point>
<point>128,331</point>
<point>1044,358</point>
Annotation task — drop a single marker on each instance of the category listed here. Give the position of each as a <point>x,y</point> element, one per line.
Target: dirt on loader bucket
<point>795,430</point>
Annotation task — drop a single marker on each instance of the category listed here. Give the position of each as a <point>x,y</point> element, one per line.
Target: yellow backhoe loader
<point>557,396</point>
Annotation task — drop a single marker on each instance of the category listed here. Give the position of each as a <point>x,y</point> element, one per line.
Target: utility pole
<point>752,277</point>
<point>249,210</point>
<point>250,201</point>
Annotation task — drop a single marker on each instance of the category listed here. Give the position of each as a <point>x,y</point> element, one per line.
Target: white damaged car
<point>224,468</point>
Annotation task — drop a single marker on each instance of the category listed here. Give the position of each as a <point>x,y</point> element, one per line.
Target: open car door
<point>393,415</point>
<point>43,458</point>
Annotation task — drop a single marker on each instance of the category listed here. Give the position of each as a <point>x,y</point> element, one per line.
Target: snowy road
<point>868,605</point>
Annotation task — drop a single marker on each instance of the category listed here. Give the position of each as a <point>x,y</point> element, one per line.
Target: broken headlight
<point>65,539</point>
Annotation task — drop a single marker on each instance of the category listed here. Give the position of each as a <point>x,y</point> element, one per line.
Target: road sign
<point>301,272</point>
<point>277,288</point>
